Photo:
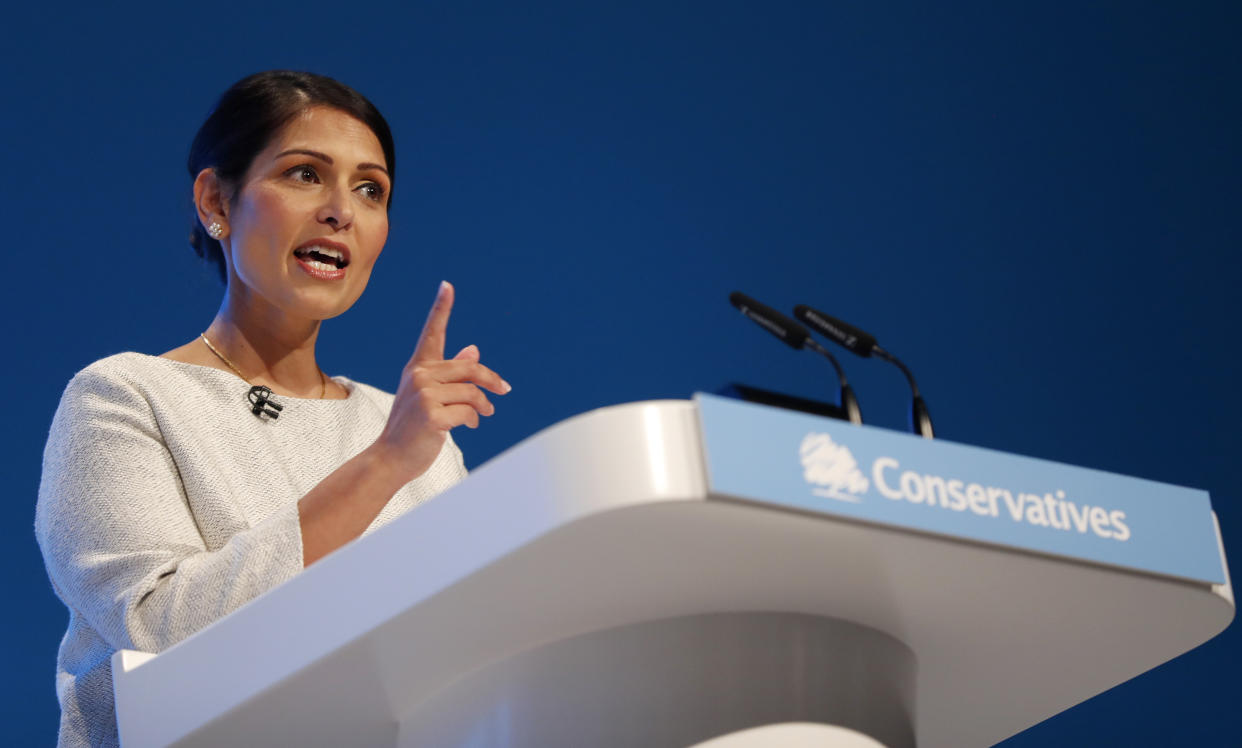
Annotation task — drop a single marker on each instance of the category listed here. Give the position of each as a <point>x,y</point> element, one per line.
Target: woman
<point>178,487</point>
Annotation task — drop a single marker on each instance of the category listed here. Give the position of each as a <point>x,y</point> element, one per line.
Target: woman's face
<point>311,216</point>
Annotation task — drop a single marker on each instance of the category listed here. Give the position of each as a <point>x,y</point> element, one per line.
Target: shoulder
<point>150,374</point>
<point>131,377</point>
<point>120,374</point>
<point>136,387</point>
<point>133,367</point>
<point>113,388</point>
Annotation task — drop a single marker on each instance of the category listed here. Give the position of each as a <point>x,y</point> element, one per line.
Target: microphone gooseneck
<point>849,402</point>
<point>864,344</point>
<point>920,419</point>
<point>795,336</point>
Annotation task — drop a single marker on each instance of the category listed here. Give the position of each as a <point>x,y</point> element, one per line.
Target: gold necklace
<point>323,382</point>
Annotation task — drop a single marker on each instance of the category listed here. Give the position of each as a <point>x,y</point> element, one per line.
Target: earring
<point>215,230</point>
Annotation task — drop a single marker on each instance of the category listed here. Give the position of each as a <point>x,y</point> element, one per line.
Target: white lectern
<point>593,586</point>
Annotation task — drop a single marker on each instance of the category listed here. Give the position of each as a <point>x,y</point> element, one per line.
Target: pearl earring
<point>216,230</point>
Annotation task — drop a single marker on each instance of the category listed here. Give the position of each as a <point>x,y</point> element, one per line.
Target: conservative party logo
<point>831,468</point>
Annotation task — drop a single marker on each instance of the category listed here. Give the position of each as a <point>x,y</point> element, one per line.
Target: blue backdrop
<point>1036,205</point>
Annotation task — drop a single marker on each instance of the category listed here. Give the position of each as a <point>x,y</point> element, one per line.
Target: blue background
<point>1034,204</point>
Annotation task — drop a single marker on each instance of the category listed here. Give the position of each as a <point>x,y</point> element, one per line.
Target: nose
<point>337,211</point>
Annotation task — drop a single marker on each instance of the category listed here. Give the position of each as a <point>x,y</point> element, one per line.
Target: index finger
<point>431,342</point>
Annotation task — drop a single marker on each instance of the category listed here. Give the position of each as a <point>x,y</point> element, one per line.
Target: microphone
<point>795,336</point>
<point>260,397</point>
<point>864,344</point>
<point>846,335</point>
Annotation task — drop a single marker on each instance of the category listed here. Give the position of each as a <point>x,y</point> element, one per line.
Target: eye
<point>304,173</point>
<point>373,191</point>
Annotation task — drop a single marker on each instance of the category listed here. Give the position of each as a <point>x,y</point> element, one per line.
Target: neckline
<point>350,385</point>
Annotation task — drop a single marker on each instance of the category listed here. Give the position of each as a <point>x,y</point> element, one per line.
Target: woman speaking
<point>178,487</point>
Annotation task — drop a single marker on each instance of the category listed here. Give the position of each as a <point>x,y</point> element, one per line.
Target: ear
<point>211,200</point>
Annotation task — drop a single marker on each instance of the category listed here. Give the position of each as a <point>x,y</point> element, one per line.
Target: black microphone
<point>864,344</point>
<point>791,333</point>
<point>260,398</point>
<point>846,335</point>
<point>795,336</point>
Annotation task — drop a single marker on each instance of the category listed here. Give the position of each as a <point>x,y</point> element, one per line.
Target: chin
<point>321,306</point>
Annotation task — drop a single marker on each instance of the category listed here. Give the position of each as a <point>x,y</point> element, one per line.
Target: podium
<point>677,573</point>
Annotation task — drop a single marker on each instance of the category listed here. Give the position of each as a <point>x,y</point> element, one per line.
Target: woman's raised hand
<point>436,395</point>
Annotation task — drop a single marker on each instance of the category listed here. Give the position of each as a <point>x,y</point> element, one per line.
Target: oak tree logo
<point>831,469</point>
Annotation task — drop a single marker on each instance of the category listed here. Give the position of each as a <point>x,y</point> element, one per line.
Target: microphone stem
<point>920,419</point>
<point>849,401</point>
<point>815,346</point>
<point>914,387</point>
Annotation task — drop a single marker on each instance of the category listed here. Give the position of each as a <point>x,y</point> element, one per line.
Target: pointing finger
<point>431,342</point>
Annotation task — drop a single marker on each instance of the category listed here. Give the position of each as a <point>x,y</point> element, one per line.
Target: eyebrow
<point>328,159</point>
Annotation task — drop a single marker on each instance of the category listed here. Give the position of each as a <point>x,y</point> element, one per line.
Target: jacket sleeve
<point>121,545</point>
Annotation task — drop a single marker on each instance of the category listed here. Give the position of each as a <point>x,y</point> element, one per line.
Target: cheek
<point>266,212</point>
<point>378,237</point>
<point>262,222</point>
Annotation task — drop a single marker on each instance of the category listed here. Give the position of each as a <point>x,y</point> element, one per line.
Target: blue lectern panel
<point>832,467</point>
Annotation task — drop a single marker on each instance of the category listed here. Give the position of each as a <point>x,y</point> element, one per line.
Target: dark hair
<point>249,115</point>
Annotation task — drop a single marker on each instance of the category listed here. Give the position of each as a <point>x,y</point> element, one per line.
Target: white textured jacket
<point>166,504</point>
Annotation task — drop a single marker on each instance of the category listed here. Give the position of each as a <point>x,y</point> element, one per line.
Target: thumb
<point>469,353</point>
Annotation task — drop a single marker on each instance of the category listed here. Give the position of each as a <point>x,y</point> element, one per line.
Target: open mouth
<point>323,258</point>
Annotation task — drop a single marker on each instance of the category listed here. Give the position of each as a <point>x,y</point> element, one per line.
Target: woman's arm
<point>345,503</point>
<point>434,396</point>
<point>123,548</point>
